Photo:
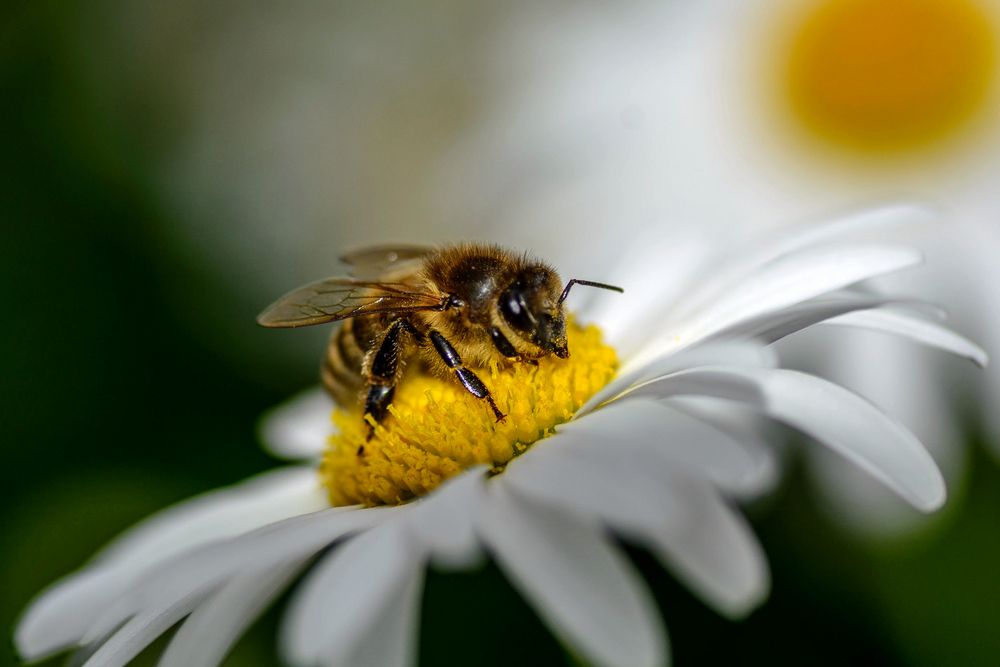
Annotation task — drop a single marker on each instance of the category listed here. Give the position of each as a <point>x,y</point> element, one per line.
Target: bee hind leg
<point>382,377</point>
<point>377,404</point>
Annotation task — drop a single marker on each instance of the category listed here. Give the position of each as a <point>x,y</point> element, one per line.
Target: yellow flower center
<point>889,75</point>
<point>436,429</point>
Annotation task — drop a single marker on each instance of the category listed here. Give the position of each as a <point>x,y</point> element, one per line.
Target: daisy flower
<point>647,432</point>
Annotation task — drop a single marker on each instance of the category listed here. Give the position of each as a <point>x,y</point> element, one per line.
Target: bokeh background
<point>168,168</point>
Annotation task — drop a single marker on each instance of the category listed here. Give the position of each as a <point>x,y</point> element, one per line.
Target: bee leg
<point>382,376</point>
<point>377,404</point>
<point>501,343</point>
<point>505,347</point>
<point>469,380</point>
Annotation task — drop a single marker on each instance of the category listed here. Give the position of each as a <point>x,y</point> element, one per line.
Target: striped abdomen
<point>343,366</point>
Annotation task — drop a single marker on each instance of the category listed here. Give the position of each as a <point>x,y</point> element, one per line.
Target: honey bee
<point>452,310</point>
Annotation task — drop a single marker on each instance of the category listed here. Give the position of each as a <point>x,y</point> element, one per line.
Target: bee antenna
<point>588,283</point>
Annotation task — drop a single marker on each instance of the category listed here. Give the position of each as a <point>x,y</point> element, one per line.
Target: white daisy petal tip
<point>742,598</point>
<point>61,615</point>
<point>40,631</point>
<point>714,551</point>
<point>905,325</point>
<point>864,435</point>
<point>933,494</point>
<point>829,413</point>
<point>299,427</point>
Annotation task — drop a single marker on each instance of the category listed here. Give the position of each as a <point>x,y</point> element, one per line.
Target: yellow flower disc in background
<point>890,75</point>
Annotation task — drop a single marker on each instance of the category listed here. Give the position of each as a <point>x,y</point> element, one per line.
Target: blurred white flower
<point>606,120</point>
<point>655,455</point>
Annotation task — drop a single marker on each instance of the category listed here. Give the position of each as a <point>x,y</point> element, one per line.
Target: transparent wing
<point>341,298</point>
<point>372,262</point>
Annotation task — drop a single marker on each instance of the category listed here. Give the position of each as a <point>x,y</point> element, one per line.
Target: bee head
<point>531,306</point>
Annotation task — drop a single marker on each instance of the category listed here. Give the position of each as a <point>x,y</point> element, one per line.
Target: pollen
<point>890,76</point>
<point>436,429</point>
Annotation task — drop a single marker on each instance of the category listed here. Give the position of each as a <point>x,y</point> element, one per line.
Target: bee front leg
<point>382,376</point>
<point>507,349</point>
<point>469,380</point>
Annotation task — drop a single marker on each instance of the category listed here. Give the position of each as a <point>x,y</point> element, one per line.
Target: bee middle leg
<point>469,380</point>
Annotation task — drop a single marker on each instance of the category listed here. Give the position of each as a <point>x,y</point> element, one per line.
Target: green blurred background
<point>133,376</point>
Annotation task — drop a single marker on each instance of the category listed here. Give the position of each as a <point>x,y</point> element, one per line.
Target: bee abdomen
<point>343,365</point>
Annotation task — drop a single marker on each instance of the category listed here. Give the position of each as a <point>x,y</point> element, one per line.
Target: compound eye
<point>514,309</point>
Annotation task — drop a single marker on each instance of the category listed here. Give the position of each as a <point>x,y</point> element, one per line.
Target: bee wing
<point>374,261</point>
<point>341,298</point>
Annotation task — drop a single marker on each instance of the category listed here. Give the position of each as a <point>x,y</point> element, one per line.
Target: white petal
<point>829,413</point>
<point>724,274</point>
<point>772,326</point>
<point>139,631</point>
<point>916,329</point>
<point>680,258</point>
<point>620,492</point>
<point>645,432</point>
<point>60,615</point>
<point>299,427</point>
<point>444,521</point>
<point>861,223</point>
<point>786,281</point>
<point>581,585</point>
<point>341,600</point>
<point>802,276</point>
<point>654,501</point>
<point>284,543</point>
<point>904,381</point>
<point>207,636</point>
<point>704,381</point>
<point>230,511</point>
<point>860,504</point>
<point>391,641</point>
<point>638,370</point>
<point>747,258</point>
<point>714,552</point>
<point>746,426</point>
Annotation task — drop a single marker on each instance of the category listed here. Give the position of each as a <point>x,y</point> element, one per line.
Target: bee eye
<point>515,310</point>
